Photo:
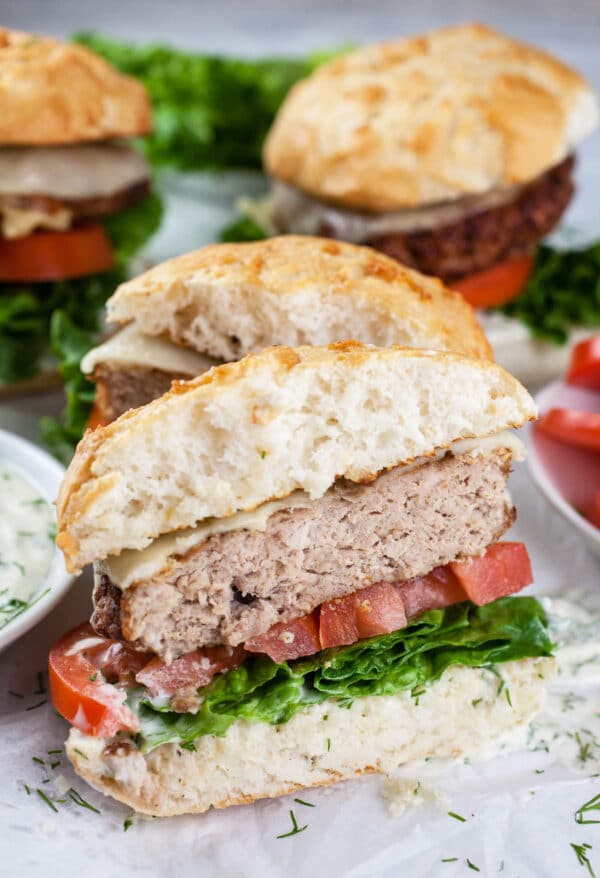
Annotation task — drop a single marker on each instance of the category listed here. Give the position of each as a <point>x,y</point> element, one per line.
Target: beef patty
<point>481,240</point>
<point>238,584</point>
<point>80,208</point>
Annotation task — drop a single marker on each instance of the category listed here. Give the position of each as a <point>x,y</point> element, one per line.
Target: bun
<point>455,112</point>
<point>59,93</point>
<point>287,418</point>
<point>227,300</point>
<point>376,734</point>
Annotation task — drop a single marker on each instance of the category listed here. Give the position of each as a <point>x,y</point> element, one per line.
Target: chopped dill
<point>457,816</point>
<point>295,828</point>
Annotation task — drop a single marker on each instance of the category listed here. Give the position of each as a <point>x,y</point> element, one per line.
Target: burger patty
<point>238,584</point>
<point>120,389</point>
<point>483,239</point>
<point>80,208</point>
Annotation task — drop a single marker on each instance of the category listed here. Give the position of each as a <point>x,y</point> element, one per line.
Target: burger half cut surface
<point>309,584</point>
<point>75,198</point>
<point>226,300</point>
<point>430,149</point>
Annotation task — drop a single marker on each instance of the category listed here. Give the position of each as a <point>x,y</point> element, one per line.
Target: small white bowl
<point>45,474</point>
<point>567,475</point>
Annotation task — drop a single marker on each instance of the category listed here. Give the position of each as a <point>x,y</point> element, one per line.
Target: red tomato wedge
<point>572,427</point>
<point>438,589</point>
<point>289,640</point>
<point>191,671</point>
<point>46,256</point>
<point>377,609</point>
<point>496,285</point>
<point>78,689</point>
<point>504,569</point>
<point>584,368</point>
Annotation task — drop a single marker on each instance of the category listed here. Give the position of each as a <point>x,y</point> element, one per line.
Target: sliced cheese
<point>298,213</point>
<point>70,172</point>
<point>130,347</point>
<point>136,565</point>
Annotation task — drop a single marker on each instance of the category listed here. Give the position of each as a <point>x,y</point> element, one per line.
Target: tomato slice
<point>193,670</point>
<point>584,368</point>
<point>437,589</point>
<point>377,609</point>
<point>79,690</point>
<point>289,640</point>
<point>46,256</point>
<point>504,569</point>
<point>496,285</point>
<point>572,427</point>
<point>96,418</point>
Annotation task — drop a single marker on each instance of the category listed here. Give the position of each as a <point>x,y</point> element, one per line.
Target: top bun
<point>60,93</point>
<point>257,429</point>
<point>228,300</point>
<point>455,112</point>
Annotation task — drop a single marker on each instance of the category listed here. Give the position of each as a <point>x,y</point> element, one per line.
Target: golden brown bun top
<point>59,93</point>
<point>458,111</point>
<point>268,292</point>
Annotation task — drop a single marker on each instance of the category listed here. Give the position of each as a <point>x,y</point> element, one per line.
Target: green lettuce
<point>563,291</point>
<point>407,660</point>
<point>210,112</point>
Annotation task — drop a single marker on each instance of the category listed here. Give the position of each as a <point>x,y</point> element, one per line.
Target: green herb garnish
<point>582,856</point>
<point>592,805</point>
<point>457,816</point>
<point>295,828</point>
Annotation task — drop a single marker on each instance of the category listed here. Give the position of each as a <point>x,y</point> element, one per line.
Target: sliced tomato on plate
<point>79,689</point>
<point>377,609</point>
<point>48,256</point>
<point>437,589</point>
<point>191,671</point>
<point>571,426</point>
<point>504,569</point>
<point>584,368</point>
<point>289,640</point>
<point>496,285</point>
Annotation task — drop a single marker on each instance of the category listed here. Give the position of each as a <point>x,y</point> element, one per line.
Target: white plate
<point>45,474</point>
<point>566,475</point>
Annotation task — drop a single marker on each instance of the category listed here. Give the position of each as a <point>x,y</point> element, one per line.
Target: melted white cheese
<point>137,565</point>
<point>295,212</point>
<point>80,171</point>
<point>16,223</point>
<point>26,541</point>
<point>130,347</point>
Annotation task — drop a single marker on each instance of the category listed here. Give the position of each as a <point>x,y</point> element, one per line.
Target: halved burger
<point>299,577</point>
<point>226,300</point>
<point>452,152</point>
<point>75,197</point>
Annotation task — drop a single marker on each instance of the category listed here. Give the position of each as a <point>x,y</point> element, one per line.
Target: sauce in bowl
<point>27,532</point>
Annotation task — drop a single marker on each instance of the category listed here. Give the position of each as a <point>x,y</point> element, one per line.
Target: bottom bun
<point>461,713</point>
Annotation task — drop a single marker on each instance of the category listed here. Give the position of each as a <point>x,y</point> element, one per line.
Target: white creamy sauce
<point>130,347</point>
<point>568,729</point>
<point>27,528</point>
<point>296,212</point>
<point>134,565</point>
<point>80,171</point>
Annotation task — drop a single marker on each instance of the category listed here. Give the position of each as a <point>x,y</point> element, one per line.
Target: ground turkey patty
<point>236,585</point>
<point>483,239</point>
<point>119,389</point>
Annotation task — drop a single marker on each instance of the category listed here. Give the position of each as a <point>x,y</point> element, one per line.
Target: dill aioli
<point>27,531</point>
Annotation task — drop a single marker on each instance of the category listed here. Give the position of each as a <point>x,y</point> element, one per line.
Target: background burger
<point>75,198</point>
<point>453,152</point>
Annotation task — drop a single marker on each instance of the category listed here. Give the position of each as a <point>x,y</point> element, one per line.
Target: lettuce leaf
<point>407,660</point>
<point>210,112</point>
